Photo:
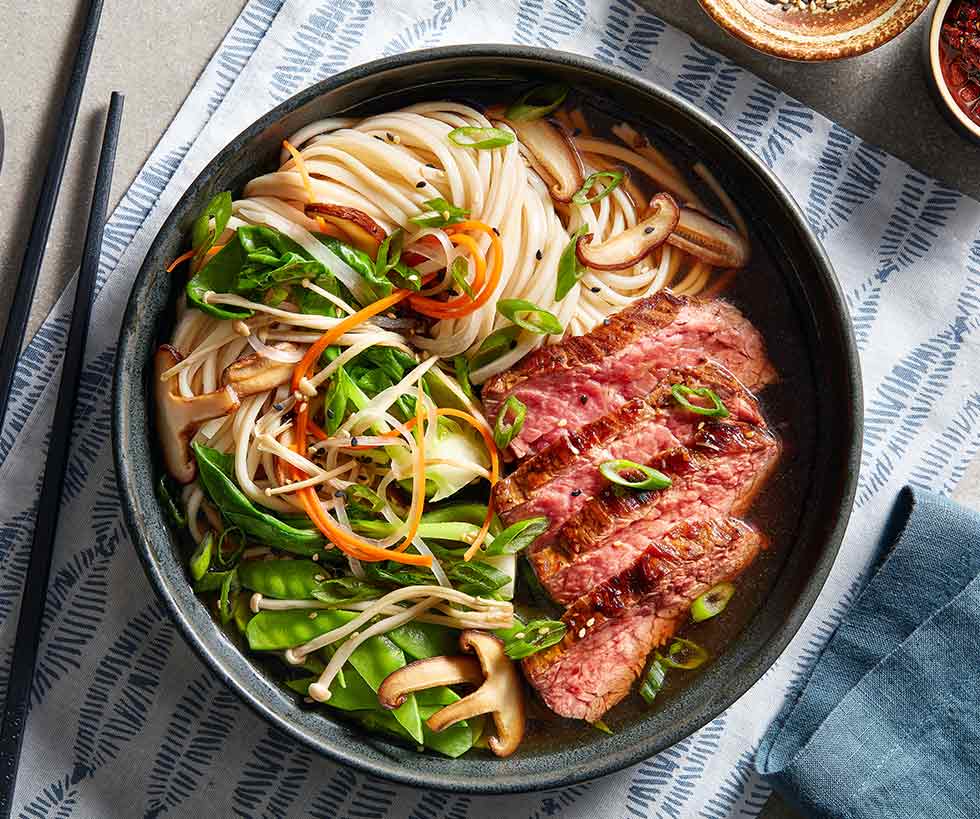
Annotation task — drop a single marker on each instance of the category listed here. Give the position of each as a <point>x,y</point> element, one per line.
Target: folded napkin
<point>888,724</point>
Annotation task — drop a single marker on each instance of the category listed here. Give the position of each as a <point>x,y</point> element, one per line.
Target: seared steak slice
<point>558,481</point>
<point>570,384</point>
<point>719,475</point>
<point>613,628</point>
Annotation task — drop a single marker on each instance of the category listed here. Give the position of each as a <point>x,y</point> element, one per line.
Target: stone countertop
<point>154,51</point>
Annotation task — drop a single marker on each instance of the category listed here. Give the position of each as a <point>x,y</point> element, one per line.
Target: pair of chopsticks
<point>28,635</point>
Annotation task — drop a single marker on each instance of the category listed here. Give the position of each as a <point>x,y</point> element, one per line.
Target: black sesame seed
<point>353,441</point>
<point>539,255</point>
<point>576,132</point>
<point>329,413</point>
<point>576,493</point>
<point>278,406</point>
<point>379,137</point>
<point>420,184</point>
<point>648,230</point>
<point>340,493</point>
<point>430,165</point>
<point>496,231</point>
<point>391,136</point>
<point>594,289</point>
<point>583,399</point>
<point>605,321</point>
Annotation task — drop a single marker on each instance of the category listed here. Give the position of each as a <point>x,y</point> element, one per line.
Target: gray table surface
<point>154,51</point>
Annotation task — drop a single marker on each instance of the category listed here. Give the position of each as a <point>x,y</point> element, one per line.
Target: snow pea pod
<point>374,659</point>
<point>422,640</point>
<point>453,742</point>
<point>214,469</point>
<point>282,579</point>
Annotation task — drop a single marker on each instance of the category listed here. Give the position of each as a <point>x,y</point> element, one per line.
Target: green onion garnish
<point>684,654</point>
<point>537,103</point>
<point>504,432</point>
<point>483,139</point>
<point>712,602</point>
<point>652,478</point>
<point>459,270</point>
<point>600,725</point>
<point>530,316</point>
<point>495,345</point>
<point>570,269</point>
<point>440,213</point>
<point>462,368</point>
<point>582,196</point>
<point>653,681</point>
<point>716,410</point>
<point>524,639</point>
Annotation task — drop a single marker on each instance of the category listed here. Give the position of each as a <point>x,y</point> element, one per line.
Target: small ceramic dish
<point>814,29</point>
<point>949,82</point>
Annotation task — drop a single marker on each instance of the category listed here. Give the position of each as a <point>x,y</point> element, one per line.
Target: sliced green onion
<point>570,269</point>
<point>483,139</point>
<point>652,478</point>
<point>459,270</point>
<point>495,345</point>
<point>524,639</point>
<point>504,432</point>
<point>712,602</point>
<point>582,197</point>
<point>462,368</point>
<point>529,316</point>
<point>201,559</point>
<point>389,252</point>
<point>600,725</point>
<point>653,681</point>
<point>439,213</point>
<point>716,410</point>
<point>538,102</point>
<point>516,537</point>
<point>684,654</point>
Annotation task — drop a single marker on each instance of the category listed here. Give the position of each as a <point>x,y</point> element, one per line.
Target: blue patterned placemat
<point>127,722</point>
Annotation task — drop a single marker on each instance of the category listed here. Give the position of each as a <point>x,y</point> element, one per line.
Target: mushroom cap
<point>178,417</point>
<point>553,153</point>
<point>632,245</point>
<point>359,228</point>
<point>428,673</point>
<point>256,373</point>
<point>709,240</point>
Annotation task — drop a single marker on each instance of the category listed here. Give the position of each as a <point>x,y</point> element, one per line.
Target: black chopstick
<point>45,527</point>
<point>20,308</point>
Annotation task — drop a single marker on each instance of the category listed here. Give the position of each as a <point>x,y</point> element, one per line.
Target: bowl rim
<point>936,71</point>
<point>597,765</point>
<point>769,40</point>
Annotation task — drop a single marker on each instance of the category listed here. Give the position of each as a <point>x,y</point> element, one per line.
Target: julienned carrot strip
<point>463,305</point>
<point>301,167</point>
<point>183,257</point>
<point>334,333</point>
<point>347,542</point>
<point>316,429</point>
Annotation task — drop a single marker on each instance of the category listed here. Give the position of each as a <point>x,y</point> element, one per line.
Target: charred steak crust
<point>574,382</point>
<point>719,475</point>
<point>574,449</point>
<point>641,317</point>
<point>612,629</point>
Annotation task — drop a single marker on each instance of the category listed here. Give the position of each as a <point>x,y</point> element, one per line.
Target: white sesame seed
<point>581,633</point>
<point>590,622</point>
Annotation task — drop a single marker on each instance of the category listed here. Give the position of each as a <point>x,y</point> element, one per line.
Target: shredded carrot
<point>331,335</point>
<point>316,429</point>
<point>464,305</point>
<point>301,167</point>
<point>183,257</point>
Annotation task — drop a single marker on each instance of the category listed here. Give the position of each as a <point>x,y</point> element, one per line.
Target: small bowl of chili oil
<point>953,52</point>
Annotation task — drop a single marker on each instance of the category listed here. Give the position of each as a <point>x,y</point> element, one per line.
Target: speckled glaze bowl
<point>814,29</point>
<point>798,305</point>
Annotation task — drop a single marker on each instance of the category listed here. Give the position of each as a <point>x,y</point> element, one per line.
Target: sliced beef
<point>570,384</point>
<point>718,475</point>
<point>612,629</point>
<point>558,481</point>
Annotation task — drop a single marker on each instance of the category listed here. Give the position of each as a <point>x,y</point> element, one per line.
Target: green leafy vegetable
<point>505,431</point>
<point>215,471</point>
<point>389,252</point>
<point>200,560</point>
<point>582,195</point>
<point>166,496</point>
<point>633,475</point>
<point>683,393</point>
<point>570,269</point>
<point>342,591</point>
<point>537,103</point>
<point>210,224</point>
<point>482,139</point>
<point>530,317</point>
<point>462,369</point>
<point>282,579</point>
<point>478,579</point>
<point>440,213</point>
<point>516,537</point>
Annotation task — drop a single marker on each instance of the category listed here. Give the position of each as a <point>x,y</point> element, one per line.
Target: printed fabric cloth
<point>886,726</point>
<point>127,722</point>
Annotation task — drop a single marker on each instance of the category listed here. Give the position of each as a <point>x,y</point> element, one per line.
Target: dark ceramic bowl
<point>791,294</point>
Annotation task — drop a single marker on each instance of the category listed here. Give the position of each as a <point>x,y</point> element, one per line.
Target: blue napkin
<point>888,724</point>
